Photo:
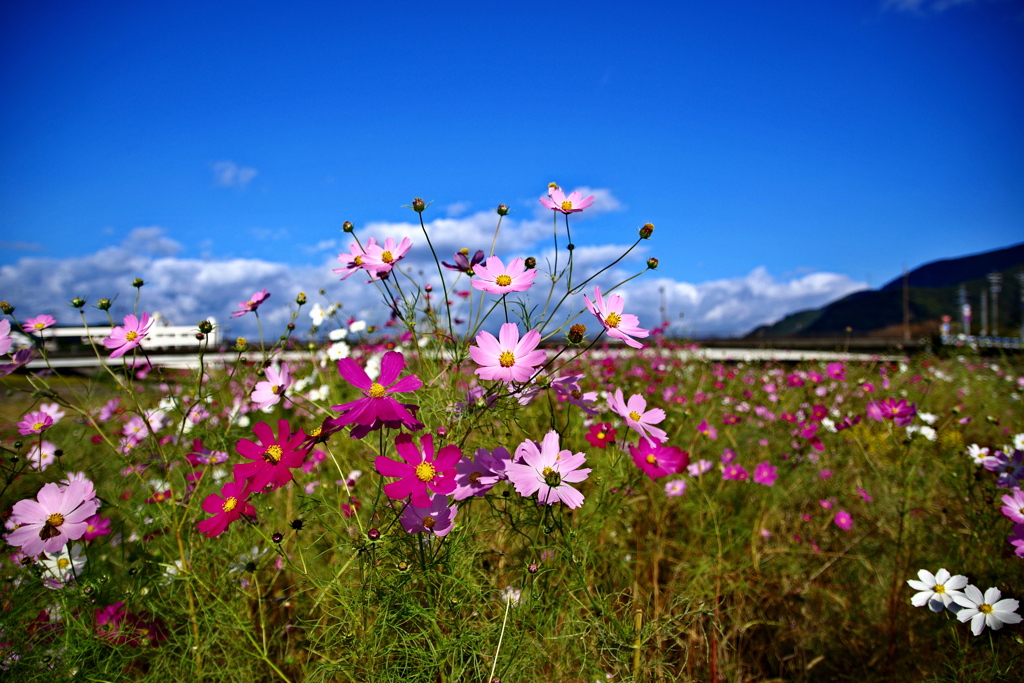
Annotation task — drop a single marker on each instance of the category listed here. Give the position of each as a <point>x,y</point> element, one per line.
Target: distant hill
<point>934,292</point>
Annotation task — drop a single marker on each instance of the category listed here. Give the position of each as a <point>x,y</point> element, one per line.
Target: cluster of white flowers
<point>943,591</point>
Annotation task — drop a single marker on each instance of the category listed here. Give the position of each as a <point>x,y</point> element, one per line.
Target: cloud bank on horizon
<point>187,289</point>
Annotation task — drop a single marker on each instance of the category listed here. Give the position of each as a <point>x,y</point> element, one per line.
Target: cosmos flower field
<point>523,481</point>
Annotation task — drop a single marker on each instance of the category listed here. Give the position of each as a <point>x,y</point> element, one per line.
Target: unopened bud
<point>502,210</point>
<point>200,336</point>
<point>652,263</point>
<point>277,537</point>
<point>205,326</point>
<point>348,227</point>
<point>576,333</point>
<point>373,534</point>
<point>429,288</point>
<point>290,326</point>
<point>530,262</point>
<point>103,304</point>
<point>418,205</point>
<point>6,307</point>
<point>646,230</point>
<point>138,282</point>
<point>78,302</point>
<point>240,344</point>
<point>301,298</point>
<point>533,568</point>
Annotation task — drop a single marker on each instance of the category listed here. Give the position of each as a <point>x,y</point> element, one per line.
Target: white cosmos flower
<point>1018,442</point>
<point>928,418</point>
<point>986,610</point>
<point>977,453</point>
<point>938,590</point>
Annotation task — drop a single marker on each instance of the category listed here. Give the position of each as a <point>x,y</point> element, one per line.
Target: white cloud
<point>923,6</point>
<point>456,209</point>
<point>230,174</point>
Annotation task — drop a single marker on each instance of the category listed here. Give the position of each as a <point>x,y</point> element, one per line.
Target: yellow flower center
<point>601,435</point>
<point>651,460</point>
<point>63,563</point>
<point>230,503</point>
<point>358,260</point>
<point>39,326</point>
<point>273,454</point>
<point>939,588</point>
<point>985,608</point>
<point>576,393</point>
<point>90,528</point>
<point>131,335</point>
<point>507,359</point>
<point>36,426</point>
<point>428,522</point>
<point>634,416</point>
<point>377,391</point>
<point>551,477</point>
<point>316,432</point>
<point>386,257</point>
<point>275,389</point>
<point>55,520</point>
<point>613,320</point>
<point>425,471</point>
<point>503,280</point>
<point>566,205</point>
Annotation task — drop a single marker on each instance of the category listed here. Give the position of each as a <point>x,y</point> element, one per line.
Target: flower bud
<point>646,230</point>
<point>533,568</point>
<point>301,298</point>
<point>373,534</point>
<point>78,302</point>
<point>530,262</point>
<point>429,288</point>
<point>205,326</point>
<point>240,344</point>
<point>297,524</point>
<point>103,304</point>
<point>576,333</point>
<point>138,282</point>
<point>277,537</point>
<point>652,263</point>
<point>290,326</point>
<point>200,336</point>
<point>348,227</point>
<point>570,246</point>
<point>418,205</point>
<point>502,210</point>
<point>6,307</point>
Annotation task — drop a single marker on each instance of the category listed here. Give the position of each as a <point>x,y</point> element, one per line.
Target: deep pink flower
<point>735,472</point>
<point>574,203</point>
<point>843,520</point>
<point>899,411</point>
<point>124,338</point>
<point>546,470</point>
<point>437,518</point>
<point>58,515</point>
<point>96,526</point>
<point>765,473</point>
<point>273,458</point>
<point>637,417</point>
<point>35,423</point>
<point>494,277</point>
<point>656,460</point>
<point>227,507</point>
<point>836,371</point>
<point>377,403</point>
<point>379,259</point>
<point>617,324</point>
<point>252,304</point>
<point>600,435</point>
<point>419,470</point>
<point>507,358</point>
<point>707,430</point>
<point>353,261</point>
<point>39,323</point>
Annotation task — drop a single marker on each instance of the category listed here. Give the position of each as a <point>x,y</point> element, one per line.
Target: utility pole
<point>995,282</point>
<point>906,304</point>
<point>965,309</point>
<point>984,313</point>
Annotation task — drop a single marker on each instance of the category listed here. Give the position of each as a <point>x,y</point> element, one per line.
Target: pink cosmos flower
<point>58,515</point>
<point>477,476</point>
<point>353,261</point>
<point>637,417</point>
<point>494,277</point>
<point>843,520</point>
<point>567,388</point>
<point>272,459</point>
<point>617,324</point>
<point>39,323</point>
<point>1013,506</point>
<point>574,203</point>
<point>419,470</point>
<point>676,487</point>
<point>735,472</point>
<point>656,460</point>
<point>270,391</point>
<point>700,467</point>
<point>42,455</point>
<point>35,423</point>
<point>20,358</point>
<point>252,304</point>
<point>437,518</point>
<point>507,358</point>
<point>377,403</point>
<point>380,259</point>
<point>707,430</point>
<point>899,411</point>
<point>1016,539</point>
<point>5,336</point>
<point>547,471</point>
<point>125,338</point>
<point>232,503</point>
<point>765,473</point>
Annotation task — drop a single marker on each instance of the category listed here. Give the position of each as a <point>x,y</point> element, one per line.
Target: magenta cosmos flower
<point>272,459</point>
<point>507,358</point>
<point>765,473</point>
<point>58,515</point>
<point>494,277</point>
<point>656,460</point>
<point>900,412</point>
<point>843,520</point>
<point>548,471</point>
<point>252,304</point>
<point>377,403</point>
<point>379,259</point>
<point>574,203</point>
<point>232,503</point>
<point>637,417</point>
<point>39,323</point>
<point>419,472</point>
<point>125,338</point>
<point>617,324</point>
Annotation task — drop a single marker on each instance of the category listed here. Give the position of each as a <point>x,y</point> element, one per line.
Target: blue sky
<point>788,153</point>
